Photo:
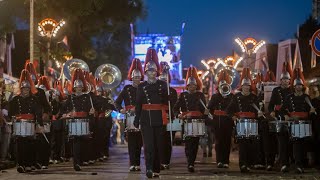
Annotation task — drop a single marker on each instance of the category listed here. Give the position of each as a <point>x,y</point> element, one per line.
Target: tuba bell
<point>233,73</point>
<point>109,74</point>
<point>71,65</point>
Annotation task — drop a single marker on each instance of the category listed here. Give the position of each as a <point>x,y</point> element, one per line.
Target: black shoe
<point>156,175</point>
<point>167,166</point>
<point>28,169</point>
<point>37,166</point>
<point>191,168</point>
<point>244,169</point>
<point>137,168</point>
<point>284,169</point>
<point>269,168</point>
<point>21,169</point>
<point>149,174</point>
<point>220,165</point>
<point>77,167</point>
<point>132,168</point>
<point>299,170</point>
<point>162,167</point>
<point>226,166</point>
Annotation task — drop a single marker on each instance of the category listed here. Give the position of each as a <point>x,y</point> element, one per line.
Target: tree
<point>88,23</point>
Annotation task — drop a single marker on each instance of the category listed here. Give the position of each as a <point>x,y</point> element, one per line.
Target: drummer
<point>277,98</point>
<point>222,123</point>
<point>104,120</point>
<point>25,106</point>
<point>315,100</point>
<point>295,107</point>
<point>189,104</point>
<point>128,95</point>
<point>241,107</point>
<point>167,145</point>
<point>78,106</point>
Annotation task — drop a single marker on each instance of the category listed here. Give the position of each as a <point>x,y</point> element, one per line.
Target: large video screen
<point>167,47</point>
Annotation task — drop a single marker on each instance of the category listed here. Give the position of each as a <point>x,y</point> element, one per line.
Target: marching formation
<point>73,119</point>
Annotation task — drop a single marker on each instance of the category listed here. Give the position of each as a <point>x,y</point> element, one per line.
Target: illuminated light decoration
<point>205,74</point>
<point>258,46</point>
<point>238,61</point>
<point>49,27</point>
<point>211,61</point>
<point>218,63</point>
<point>58,64</point>
<point>228,58</point>
<point>241,44</point>
<point>205,64</point>
<point>250,41</point>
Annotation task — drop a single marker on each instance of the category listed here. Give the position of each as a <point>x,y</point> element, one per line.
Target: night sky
<point>212,25</point>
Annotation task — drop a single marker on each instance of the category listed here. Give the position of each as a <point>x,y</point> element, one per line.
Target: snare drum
<point>78,127</point>
<point>194,128</point>
<point>176,125</point>
<point>300,129</point>
<point>129,124</point>
<point>278,126</point>
<point>24,128</point>
<point>247,128</point>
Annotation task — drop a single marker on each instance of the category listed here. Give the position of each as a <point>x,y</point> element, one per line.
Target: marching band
<point>73,119</point>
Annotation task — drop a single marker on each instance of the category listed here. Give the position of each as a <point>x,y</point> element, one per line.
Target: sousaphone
<point>73,64</point>
<point>109,74</point>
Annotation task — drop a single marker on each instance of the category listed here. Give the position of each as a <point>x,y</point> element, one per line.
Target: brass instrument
<point>109,74</point>
<point>73,64</point>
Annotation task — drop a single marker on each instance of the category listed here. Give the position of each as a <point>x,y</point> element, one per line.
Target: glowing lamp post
<point>249,47</point>
<point>49,28</point>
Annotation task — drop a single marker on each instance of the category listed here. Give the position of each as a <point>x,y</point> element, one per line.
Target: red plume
<point>57,85</point>
<point>152,56</point>
<point>43,80</point>
<point>193,72</point>
<point>246,74</point>
<point>30,67</point>
<point>269,77</point>
<point>67,85</point>
<point>78,74</point>
<point>287,68</point>
<point>297,74</point>
<point>259,78</point>
<point>223,75</point>
<point>25,75</point>
<point>136,64</point>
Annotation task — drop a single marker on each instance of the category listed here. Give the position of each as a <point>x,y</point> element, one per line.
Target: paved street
<point>117,168</point>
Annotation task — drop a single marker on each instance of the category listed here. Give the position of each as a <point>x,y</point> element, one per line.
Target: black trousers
<point>167,148</point>
<point>107,138</point>
<point>80,149</point>
<point>191,149</point>
<point>57,144</point>
<point>25,148</point>
<point>300,151</point>
<point>316,140</point>
<point>152,140</point>
<point>222,129</point>
<point>247,152</point>
<point>43,149</point>
<point>134,147</point>
<point>283,148</point>
<point>269,143</point>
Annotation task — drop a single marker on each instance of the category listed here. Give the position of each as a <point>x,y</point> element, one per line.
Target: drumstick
<point>209,115</point>
<point>256,108</point>
<point>309,103</point>
<point>45,137</point>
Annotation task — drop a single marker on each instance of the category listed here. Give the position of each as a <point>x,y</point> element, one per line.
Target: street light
<point>49,28</point>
